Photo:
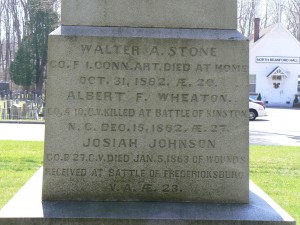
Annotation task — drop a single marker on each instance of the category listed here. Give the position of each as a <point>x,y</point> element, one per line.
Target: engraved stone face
<point>146,119</point>
<point>213,14</point>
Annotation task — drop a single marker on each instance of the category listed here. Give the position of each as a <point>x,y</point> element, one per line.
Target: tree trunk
<point>40,77</point>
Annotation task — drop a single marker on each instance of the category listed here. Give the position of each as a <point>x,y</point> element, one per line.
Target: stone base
<point>27,208</point>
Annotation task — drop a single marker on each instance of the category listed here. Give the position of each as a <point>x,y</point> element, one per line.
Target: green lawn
<point>276,170</point>
<point>18,162</point>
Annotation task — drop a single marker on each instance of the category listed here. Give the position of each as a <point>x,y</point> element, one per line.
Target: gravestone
<point>147,114</point>
<point>146,119</point>
<point>16,111</point>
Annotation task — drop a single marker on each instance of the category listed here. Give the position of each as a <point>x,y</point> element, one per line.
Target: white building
<point>274,65</point>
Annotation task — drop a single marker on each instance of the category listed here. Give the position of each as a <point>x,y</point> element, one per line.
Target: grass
<point>18,162</point>
<point>276,170</point>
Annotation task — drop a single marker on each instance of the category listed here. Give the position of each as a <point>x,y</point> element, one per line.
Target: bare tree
<point>276,10</point>
<point>25,20</point>
<point>265,15</point>
<point>14,26</point>
<point>11,34</point>
<point>247,11</point>
<point>1,37</point>
<point>293,17</point>
<point>270,12</point>
<point>8,35</point>
<point>17,26</point>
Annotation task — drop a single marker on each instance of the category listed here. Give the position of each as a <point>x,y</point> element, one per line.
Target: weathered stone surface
<point>27,208</point>
<point>138,117</point>
<point>214,14</point>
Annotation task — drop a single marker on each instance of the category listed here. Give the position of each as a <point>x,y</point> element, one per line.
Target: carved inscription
<point>120,158</point>
<point>146,118</point>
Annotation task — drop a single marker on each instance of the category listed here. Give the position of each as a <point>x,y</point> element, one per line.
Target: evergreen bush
<point>259,97</point>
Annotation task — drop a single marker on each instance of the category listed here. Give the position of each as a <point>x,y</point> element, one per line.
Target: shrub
<point>259,97</point>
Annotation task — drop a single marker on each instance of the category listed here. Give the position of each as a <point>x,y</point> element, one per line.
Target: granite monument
<point>146,119</point>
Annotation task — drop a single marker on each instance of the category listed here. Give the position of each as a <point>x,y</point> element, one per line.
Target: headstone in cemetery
<point>8,105</point>
<point>147,117</point>
<point>16,111</point>
<point>4,112</point>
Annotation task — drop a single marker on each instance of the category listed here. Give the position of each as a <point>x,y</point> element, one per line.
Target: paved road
<point>22,132</point>
<point>280,127</point>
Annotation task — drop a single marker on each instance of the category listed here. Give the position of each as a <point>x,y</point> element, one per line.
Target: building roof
<point>267,31</point>
<point>262,32</point>
<point>278,71</point>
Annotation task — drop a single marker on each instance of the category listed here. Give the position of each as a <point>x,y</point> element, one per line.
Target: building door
<point>277,79</point>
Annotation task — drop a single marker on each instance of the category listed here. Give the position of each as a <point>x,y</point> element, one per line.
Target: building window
<point>298,83</point>
<point>277,74</point>
<point>276,77</point>
<point>252,83</point>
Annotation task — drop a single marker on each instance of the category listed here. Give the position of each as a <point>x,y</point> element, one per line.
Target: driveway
<point>280,127</point>
<point>22,132</point>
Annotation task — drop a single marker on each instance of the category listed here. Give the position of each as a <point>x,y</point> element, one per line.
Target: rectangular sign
<point>278,59</point>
